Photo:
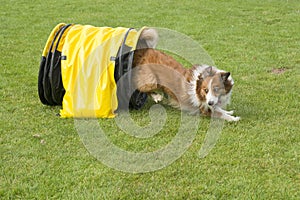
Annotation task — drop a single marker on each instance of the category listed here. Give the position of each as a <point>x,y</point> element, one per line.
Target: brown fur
<point>156,70</point>
<point>152,56</point>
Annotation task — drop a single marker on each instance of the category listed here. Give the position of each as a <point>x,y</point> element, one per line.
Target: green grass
<point>256,158</point>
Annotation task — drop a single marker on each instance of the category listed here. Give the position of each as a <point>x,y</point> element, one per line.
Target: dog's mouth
<point>212,105</point>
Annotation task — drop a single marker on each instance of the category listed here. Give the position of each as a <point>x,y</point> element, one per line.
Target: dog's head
<point>212,86</point>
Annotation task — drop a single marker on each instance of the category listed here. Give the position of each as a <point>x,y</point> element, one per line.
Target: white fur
<point>157,97</point>
<point>210,97</point>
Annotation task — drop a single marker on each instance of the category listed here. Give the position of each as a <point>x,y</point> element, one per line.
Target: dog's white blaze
<point>210,97</point>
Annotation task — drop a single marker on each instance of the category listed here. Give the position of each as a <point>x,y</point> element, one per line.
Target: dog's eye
<point>216,89</point>
<point>206,90</point>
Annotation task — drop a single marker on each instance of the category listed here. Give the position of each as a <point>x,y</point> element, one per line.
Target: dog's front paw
<point>230,118</point>
<point>234,119</point>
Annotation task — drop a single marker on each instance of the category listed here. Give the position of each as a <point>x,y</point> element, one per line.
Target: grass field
<point>42,156</point>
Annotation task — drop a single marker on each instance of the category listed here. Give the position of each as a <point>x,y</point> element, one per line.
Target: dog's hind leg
<point>149,89</point>
<point>156,97</point>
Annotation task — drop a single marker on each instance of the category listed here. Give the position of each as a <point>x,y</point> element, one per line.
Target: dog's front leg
<point>224,111</point>
<point>223,114</point>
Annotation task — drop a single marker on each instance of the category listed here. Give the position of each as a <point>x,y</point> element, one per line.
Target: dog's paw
<point>234,119</point>
<point>157,97</point>
<point>230,118</point>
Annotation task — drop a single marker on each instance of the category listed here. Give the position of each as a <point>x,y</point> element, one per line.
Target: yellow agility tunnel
<point>80,67</point>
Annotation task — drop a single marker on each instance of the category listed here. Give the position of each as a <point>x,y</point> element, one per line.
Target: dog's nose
<point>210,103</point>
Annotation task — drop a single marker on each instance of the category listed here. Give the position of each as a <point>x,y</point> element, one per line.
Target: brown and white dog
<point>203,88</point>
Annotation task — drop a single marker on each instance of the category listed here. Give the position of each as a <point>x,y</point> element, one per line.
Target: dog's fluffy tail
<point>148,39</point>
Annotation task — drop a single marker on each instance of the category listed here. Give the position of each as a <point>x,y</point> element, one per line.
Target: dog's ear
<point>200,80</point>
<point>199,83</point>
<point>208,71</point>
<point>225,75</point>
<point>200,77</point>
